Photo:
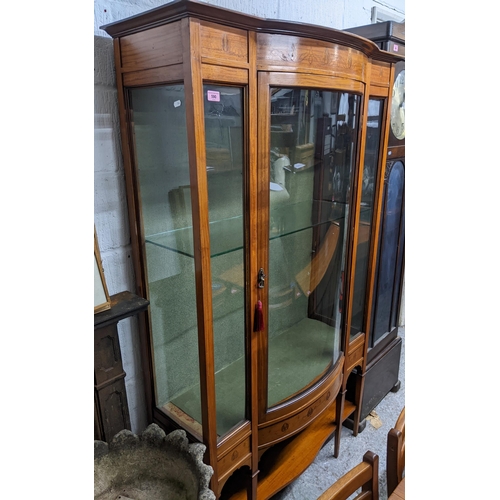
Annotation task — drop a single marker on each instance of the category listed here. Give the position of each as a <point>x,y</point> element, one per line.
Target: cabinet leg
<point>355,423</point>
<point>349,423</point>
<point>338,415</point>
<point>252,486</point>
<point>358,400</point>
<point>397,386</point>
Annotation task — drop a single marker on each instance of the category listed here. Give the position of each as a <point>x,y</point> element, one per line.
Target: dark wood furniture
<point>396,453</point>
<point>399,492</point>
<point>381,374</point>
<point>243,141</point>
<point>363,475</point>
<point>111,414</point>
<point>388,35</point>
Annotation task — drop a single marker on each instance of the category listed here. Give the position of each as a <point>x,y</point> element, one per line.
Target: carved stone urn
<point>152,466</point>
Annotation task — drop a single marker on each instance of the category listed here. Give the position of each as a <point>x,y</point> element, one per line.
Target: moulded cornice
<point>179,9</point>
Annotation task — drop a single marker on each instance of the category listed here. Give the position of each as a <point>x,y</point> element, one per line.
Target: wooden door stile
<point>353,247</point>
<point>136,231</point>
<point>263,178</point>
<point>201,235</point>
<point>252,268</point>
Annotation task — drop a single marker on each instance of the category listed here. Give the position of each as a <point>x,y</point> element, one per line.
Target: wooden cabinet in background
<point>243,143</point>
<point>111,414</point>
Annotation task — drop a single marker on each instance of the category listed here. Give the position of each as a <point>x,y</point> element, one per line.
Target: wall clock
<point>398,106</point>
<point>397,135</point>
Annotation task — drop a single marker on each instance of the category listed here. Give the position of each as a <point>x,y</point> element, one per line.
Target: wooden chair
<point>396,453</point>
<point>363,475</point>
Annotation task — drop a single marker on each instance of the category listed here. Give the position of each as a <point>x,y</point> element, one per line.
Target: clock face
<point>398,106</point>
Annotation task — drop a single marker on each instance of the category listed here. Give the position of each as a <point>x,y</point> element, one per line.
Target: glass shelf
<point>226,235</point>
<point>292,218</point>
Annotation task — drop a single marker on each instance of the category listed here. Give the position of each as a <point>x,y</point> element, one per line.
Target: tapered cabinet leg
<point>360,383</point>
<point>252,494</point>
<point>338,417</point>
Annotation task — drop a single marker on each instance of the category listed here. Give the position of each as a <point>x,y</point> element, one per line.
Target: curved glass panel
<point>370,175</point>
<point>159,128</point>
<point>313,144</point>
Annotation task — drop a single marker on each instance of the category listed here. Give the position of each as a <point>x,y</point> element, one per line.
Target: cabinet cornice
<point>180,9</point>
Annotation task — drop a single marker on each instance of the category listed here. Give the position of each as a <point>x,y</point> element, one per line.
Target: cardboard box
<point>304,153</point>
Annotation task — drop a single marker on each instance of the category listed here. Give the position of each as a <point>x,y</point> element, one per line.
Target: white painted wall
<point>110,209</point>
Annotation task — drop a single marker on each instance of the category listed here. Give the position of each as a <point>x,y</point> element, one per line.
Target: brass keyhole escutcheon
<point>261,278</point>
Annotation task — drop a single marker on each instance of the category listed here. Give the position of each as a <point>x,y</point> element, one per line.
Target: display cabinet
<point>243,141</point>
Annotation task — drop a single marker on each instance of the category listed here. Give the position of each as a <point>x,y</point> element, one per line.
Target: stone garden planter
<point>152,466</point>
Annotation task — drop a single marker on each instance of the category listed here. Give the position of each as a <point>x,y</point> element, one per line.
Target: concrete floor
<point>326,469</point>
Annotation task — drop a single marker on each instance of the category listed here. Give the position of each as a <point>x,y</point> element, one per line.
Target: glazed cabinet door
<point>368,213</point>
<point>308,133</point>
<point>390,261</point>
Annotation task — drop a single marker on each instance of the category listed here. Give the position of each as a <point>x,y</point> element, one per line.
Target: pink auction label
<point>396,48</point>
<point>213,95</point>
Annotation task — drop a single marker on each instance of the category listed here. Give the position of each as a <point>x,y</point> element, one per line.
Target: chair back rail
<point>396,453</point>
<point>364,476</point>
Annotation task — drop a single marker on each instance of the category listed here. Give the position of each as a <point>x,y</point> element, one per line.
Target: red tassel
<point>258,322</point>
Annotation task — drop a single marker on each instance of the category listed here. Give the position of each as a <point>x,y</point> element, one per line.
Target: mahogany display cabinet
<point>381,375</point>
<point>245,142</point>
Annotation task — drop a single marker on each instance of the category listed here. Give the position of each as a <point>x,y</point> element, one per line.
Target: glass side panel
<point>224,152</point>
<point>313,146</point>
<point>159,127</point>
<point>224,148</point>
<point>370,174</point>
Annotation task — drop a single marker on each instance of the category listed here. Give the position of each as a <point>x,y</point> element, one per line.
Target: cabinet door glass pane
<point>224,149</point>
<point>313,136</point>
<point>390,255</point>
<point>161,154</point>
<point>370,174</point>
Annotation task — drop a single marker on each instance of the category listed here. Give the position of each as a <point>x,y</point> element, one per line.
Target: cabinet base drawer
<point>292,424</point>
